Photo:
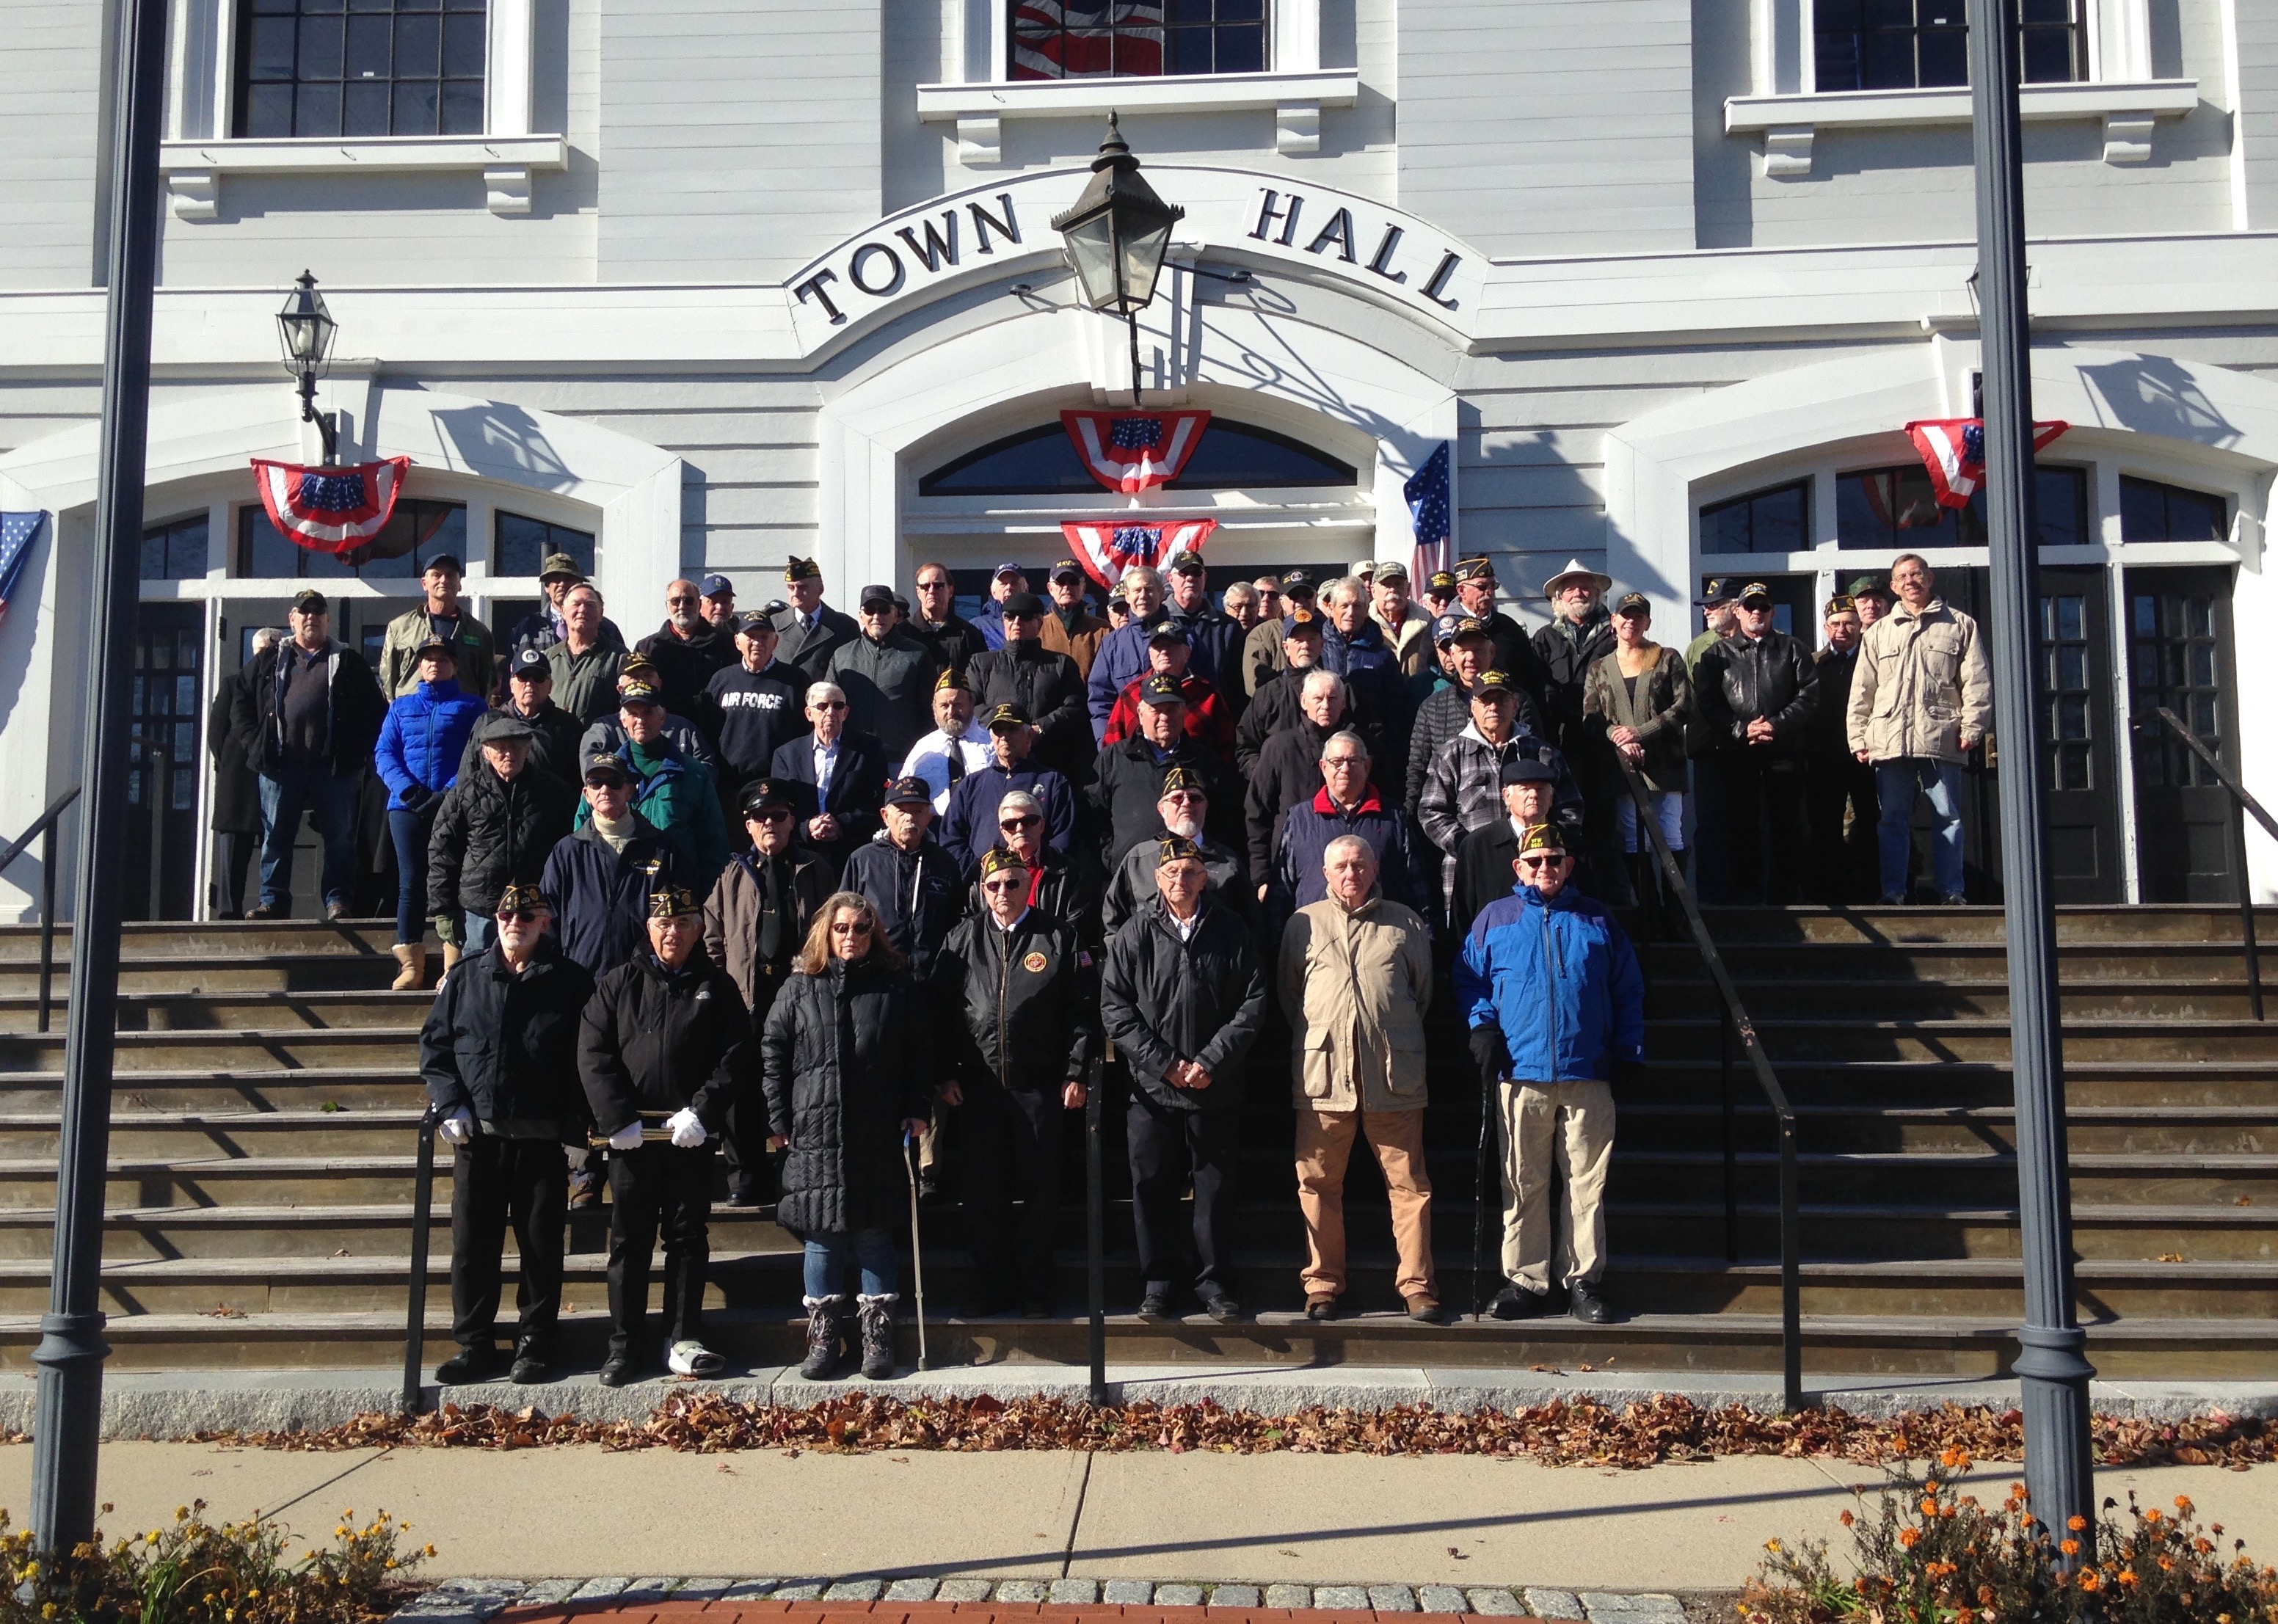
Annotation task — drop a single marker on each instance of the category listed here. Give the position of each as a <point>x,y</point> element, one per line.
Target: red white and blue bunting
<point>331,509</point>
<point>1953,450</point>
<point>1108,550</point>
<point>1131,452</point>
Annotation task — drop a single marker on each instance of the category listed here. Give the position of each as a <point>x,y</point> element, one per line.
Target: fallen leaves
<point>1567,1432</point>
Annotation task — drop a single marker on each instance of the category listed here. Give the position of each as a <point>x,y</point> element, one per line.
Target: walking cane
<point>1480,1197</point>
<point>415,1330</point>
<point>917,1255</point>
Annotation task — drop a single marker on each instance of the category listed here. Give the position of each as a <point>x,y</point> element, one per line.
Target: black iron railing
<point>1738,1029</point>
<point>2242,804</point>
<point>44,830</point>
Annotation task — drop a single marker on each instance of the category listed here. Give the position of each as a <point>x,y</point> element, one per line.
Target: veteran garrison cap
<point>802,569</point>
<point>997,859</point>
<point>1183,778</point>
<point>1543,838</point>
<point>1176,848</point>
<point>672,902</point>
<point>952,678</point>
<point>521,896</point>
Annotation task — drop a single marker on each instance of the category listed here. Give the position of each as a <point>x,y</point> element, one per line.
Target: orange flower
<point>2075,1524</point>
<point>2127,1575</point>
<point>2070,1547</point>
<point>2151,1515</point>
<point>2183,1504</point>
<point>1909,1537</point>
<point>1846,1518</point>
<point>1929,1508</point>
<point>2089,1581</point>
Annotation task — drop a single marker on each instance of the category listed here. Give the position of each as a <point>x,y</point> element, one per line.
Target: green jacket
<point>399,654</point>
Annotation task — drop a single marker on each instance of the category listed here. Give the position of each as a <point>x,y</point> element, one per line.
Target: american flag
<point>1087,39</point>
<point>17,531</point>
<point>1953,450</point>
<point>1428,504</point>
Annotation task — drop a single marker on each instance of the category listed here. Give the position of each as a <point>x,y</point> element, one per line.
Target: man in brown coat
<point>1072,629</point>
<point>1356,975</point>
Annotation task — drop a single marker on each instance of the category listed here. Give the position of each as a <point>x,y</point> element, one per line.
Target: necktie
<point>956,762</point>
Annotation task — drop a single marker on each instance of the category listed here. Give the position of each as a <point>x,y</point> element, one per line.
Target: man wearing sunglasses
<point>499,1054</point>
<point>1550,989</point>
<point>1183,808</point>
<point>1056,884</point>
<point>970,828</point>
<point>837,777</point>
<point>689,648</point>
<point>1023,985</point>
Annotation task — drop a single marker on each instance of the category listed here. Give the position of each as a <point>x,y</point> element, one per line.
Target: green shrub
<point>196,1572</point>
<point>1928,1553</point>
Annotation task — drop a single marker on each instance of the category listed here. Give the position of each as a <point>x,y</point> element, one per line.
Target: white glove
<point>687,1132</point>
<point>457,1128</point>
<point>627,1138</point>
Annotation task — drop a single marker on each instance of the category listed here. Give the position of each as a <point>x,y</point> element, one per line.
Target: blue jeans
<point>828,1255</point>
<point>410,830</point>
<point>332,801</point>
<point>1895,783</point>
<point>477,929</point>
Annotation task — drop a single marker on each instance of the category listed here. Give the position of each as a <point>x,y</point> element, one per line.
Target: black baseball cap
<point>444,561</point>
<point>910,790</point>
<point>874,595</point>
<point>1161,688</point>
<point>532,664</point>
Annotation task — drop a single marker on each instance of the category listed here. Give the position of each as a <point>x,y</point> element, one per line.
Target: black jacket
<point>1738,681</point>
<point>601,895</point>
<point>505,1045</point>
<point>888,687</point>
<point>1048,686</point>
<point>1830,715</point>
<point>1516,659</point>
<point>810,651</point>
<point>1021,995</point>
<point>687,666</point>
<point>848,1059</point>
<point>919,894</point>
<point>1566,660</point>
<point>757,713</point>
<point>1133,885</point>
<point>953,643</point>
<point>1287,772</point>
<point>1483,873</point>
<point>1127,781</point>
<point>357,708</point>
<point>553,751</point>
<point>1069,892</point>
<point>237,787</point>
<point>656,1041</point>
<point>858,789</point>
<point>492,831</point>
<point>1275,706</point>
<point>1203,999</point>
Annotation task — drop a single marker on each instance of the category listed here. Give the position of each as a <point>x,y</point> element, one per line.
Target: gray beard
<point>1186,828</point>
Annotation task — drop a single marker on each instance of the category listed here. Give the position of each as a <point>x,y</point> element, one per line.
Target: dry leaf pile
<point>1576,1432</point>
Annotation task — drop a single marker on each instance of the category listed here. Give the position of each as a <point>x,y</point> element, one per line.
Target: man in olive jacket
<point>1355,977</point>
<point>1019,979</point>
<point>499,1058</point>
<point>1182,1001</point>
<point>664,1045</point>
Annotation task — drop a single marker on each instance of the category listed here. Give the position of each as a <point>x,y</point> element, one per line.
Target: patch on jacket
<point>702,992</point>
<point>1035,964</point>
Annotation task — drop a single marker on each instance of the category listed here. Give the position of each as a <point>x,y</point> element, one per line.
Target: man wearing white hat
<point>1580,634</point>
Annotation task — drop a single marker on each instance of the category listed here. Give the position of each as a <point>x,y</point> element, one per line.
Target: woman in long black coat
<point>848,1074</point>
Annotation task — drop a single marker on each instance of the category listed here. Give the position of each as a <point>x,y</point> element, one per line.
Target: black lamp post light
<point>306,329</point>
<point>1116,237</point>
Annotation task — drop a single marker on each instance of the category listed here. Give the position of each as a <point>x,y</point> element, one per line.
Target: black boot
<point>479,1363</point>
<point>826,1326</point>
<point>877,1321</point>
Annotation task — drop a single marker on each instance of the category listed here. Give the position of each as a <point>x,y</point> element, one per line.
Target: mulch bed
<point>1577,1432</point>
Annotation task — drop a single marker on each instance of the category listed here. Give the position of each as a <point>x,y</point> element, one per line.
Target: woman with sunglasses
<point>848,1064</point>
<point>1023,985</point>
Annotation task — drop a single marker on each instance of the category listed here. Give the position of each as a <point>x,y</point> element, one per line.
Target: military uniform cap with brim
<point>1716,590</point>
<point>520,896</point>
<point>1494,683</point>
<point>1392,570</point>
<point>1302,623</point>
<point>1441,581</point>
<point>1576,570</point>
<point>1186,562</point>
<point>432,646</point>
<point>910,791</point>
<point>562,565</point>
<point>1300,579</point>
<point>1454,628</point>
<point>1183,778</point>
<point>752,620</point>
<point>635,661</point>
<point>640,693</point>
<point>1175,849</point>
<point>673,902</point>
<point>1842,603</point>
<point>1066,569</point>
<point>606,770</point>
<point>997,859</point>
<point>1870,586</point>
<point>764,795</point>
<point>1167,631</point>
<point>1543,838</point>
<point>1474,569</point>
<point>1160,689</point>
<point>1008,716</point>
<point>802,569</point>
<point>1524,770</point>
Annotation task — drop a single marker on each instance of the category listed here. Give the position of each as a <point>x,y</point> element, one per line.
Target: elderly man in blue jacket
<point>1551,990</point>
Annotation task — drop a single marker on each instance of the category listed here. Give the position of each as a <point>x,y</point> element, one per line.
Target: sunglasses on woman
<point>859,927</point>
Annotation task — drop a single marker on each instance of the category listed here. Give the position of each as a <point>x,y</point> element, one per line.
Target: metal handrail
<point>44,830</point>
<point>2243,803</point>
<point>1738,1025</point>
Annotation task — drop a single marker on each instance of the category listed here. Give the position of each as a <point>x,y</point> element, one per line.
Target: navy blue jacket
<point>858,788</point>
<point>919,894</point>
<point>601,895</point>
<point>969,828</point>
<point>1306,832</point>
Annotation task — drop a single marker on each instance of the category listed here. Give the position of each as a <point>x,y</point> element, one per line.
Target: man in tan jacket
<point>1355,976</point>
<point>1922,699</point>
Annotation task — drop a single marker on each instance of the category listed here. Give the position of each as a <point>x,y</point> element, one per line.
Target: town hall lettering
<point>877,268</point>
<point>1338,233</point>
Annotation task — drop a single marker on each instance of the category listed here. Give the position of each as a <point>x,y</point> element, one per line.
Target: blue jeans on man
<point>1895,784</point>
<point>328,797</point>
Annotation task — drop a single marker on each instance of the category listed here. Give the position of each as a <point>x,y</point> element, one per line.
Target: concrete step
<point>1912,927</point>
<point>2143,996</point>
<point>393,1084</point>
<point>144,1135</point>
<point>1924,1084</point>
<point>1915,1229</point>
<point>2218,1130</point>
<point>1956,1177</point>
<point>280,1048</point>
<point>1791,1038</point>
<point>249,972</point>
<point>145,938</point>
<point>1752,964</point>
<point>335,1009</point>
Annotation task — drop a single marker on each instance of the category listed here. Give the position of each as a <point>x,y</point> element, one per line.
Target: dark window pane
<point>268,111</point>
<point>1725,528</point>
<point>368,40</point>
<point>270,56</point>
<point>418,107</point>
<point>319,56</point>
<point>1179,11</point>
<point>2143,511</point>
<point>1863,510</point>
<point>462,46</point>
<point>2060,499</point>
<point>316,110</point>
<point>1190,51</point>
<point>524,544</point>
<point>2048,56</point>
<point>1082,38</point>
<point>1944,56</point>
<point>2045,12</point>
<point>1887,62</point>
<point>1242,10</point>
<point>418,47</point>
<point>363,108</point>
<point>463,108</point>
<point>1242,50</point>
<point>2192,515</point>
<point>2150,511</point>
<point>1043,462</point>
<point>1836,62</point>
<point>1777,520</point>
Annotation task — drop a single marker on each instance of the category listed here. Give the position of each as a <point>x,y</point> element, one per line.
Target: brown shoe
<point>1425,1309</point>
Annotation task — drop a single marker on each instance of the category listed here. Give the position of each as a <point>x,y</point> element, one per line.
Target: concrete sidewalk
<point>1313,1519</point>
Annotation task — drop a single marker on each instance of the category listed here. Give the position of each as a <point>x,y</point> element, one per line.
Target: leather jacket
<point>1738,681</point>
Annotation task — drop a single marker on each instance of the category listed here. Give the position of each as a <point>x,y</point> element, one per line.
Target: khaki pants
<point>1325,1142</point>
<point>1570,1125</point>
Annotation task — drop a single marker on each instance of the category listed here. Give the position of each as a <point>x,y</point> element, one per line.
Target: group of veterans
<point>861,904</point>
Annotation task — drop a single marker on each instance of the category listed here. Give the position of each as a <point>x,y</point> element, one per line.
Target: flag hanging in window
<point>1953,450</point>
<point>17,531</point>
<point>1427,495</point>
<point>331,509</point>
<point>1131,452</point>
<point>1108,550</point>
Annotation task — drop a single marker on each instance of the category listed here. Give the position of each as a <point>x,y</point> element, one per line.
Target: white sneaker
<point>693,1359</point>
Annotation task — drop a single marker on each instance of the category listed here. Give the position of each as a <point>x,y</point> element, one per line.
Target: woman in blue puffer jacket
<point>420,744</point>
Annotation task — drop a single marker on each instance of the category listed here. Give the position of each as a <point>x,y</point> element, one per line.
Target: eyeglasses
<point>1004,885</point>
<point>519,916</point>
<point>683,599</point>
<point>828,704</point>
<point>1541,862</point>
<point>853,927</point>
<point>773,814</point>
<point>1184,798</point>
<point>1335,762</point>
<point>1029,821</point>
<point>933,587</point>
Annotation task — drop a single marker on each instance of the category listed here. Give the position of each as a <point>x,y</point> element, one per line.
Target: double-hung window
<point>357,68</point>
<point>1127,39</point>
<point>1909,44</point>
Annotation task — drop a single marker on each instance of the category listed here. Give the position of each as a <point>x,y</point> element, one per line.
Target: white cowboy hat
<point>1574,567</point>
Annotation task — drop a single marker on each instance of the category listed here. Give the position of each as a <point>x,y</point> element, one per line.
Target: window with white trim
<point>1136,38</point>
<point>1911,44</point>
<point>358,68</point>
